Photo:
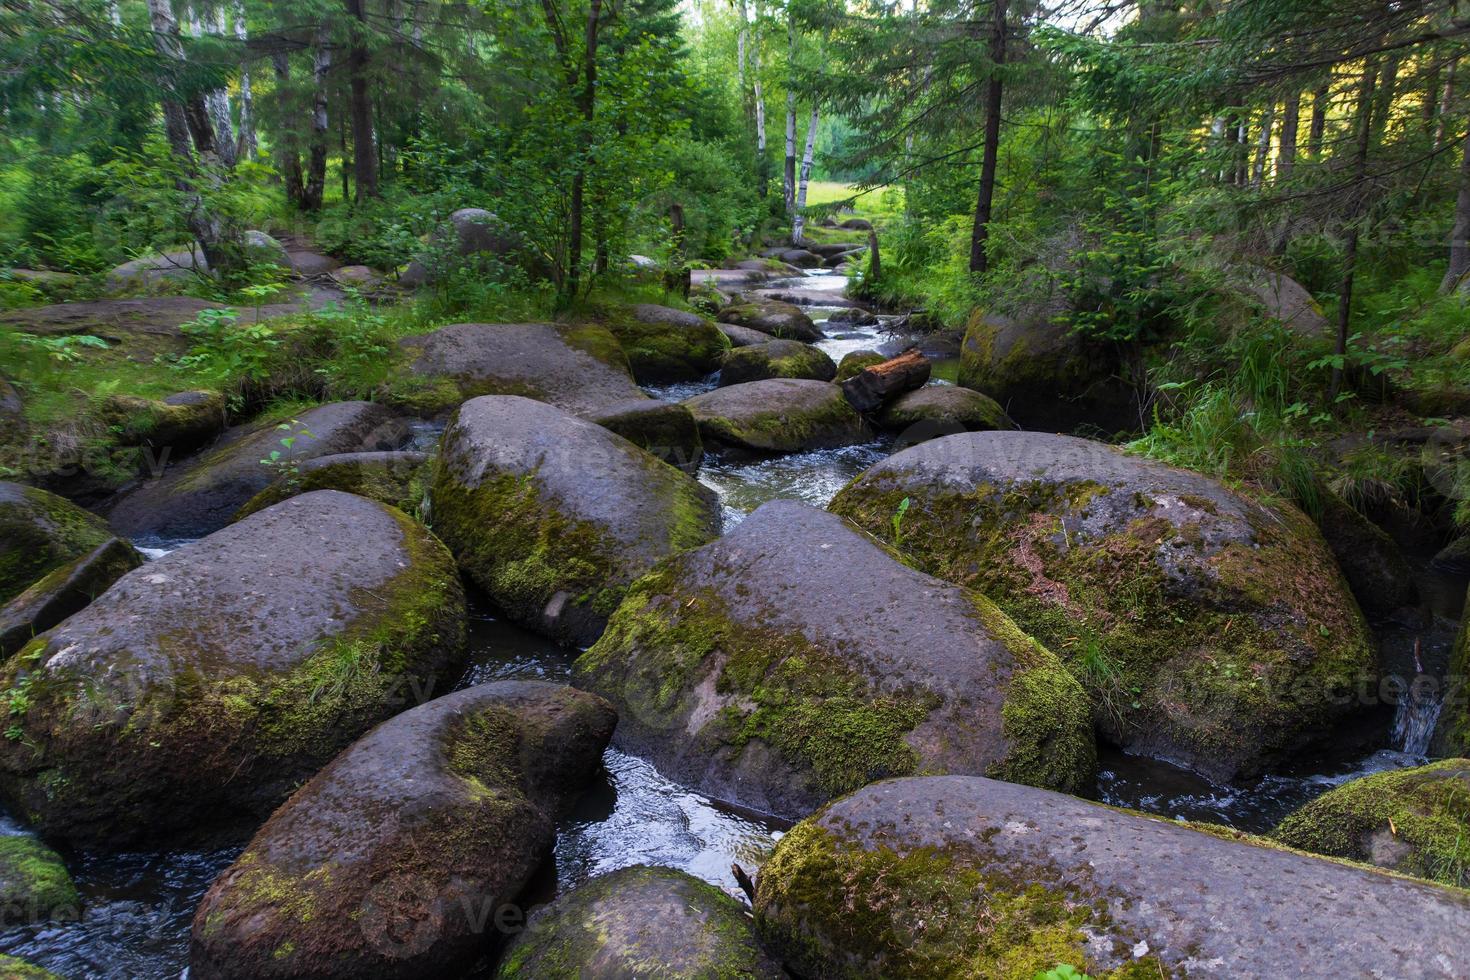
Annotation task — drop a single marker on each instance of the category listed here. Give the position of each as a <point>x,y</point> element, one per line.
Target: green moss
<point>857,362</point>
<point>1416,821</point>
<point>660,352</point>
<point>34,883</point>
<point>12,968</point>
<point>783,429</point>
<point>39,532</point>
<point>397,484</point>
<point>597,340</point>
<point>788,359</point>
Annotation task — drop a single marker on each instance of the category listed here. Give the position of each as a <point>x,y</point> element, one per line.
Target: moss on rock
<point>14,968</point>
<point>398,479</point>
<point>34,884</point>
<point>663,344</point>
<point>856,362</point>
<point>39,532</point>
<point>776,359</point>
<point>778,415</point>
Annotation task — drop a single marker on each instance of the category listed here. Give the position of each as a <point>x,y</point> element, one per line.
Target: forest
<point>734,488</point>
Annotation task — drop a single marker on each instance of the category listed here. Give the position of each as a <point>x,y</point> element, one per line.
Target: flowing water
<point>138,907</point>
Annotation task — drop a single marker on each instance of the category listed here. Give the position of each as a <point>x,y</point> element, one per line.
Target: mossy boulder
<point>961,876</point>
<point>664,344</point>
<point>180,423</point>
<point>935,410</point>
<point>776,359</point>
<point>554,516</point>
<point>1213,630</point>
<point>401,858</point>
<point>40,532</point>
<point>665,430</point>
<point>640,922</point>
<point>468,232</point>
<point>13,968</point>
<point>63,591</point>
<point>1371,561</point>
<point>207,684</point>
<point>794,660</point>
<point>778,415</point>
<point>1042,373</point>
<point>1414,821</point>
<point>743,336</point>
<point>782,320</point>
<point>202,494</point>
<point>1452,733</point>
<point>856,362</point>
<point>397,478</point>
<point>34,884</point>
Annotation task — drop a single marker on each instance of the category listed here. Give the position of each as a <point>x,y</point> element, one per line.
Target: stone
<point>775,359</point>
<point>467,232</point>
<point>35,886</point>
<point>664,344</point>
<point>743,336</point>
<point>1375,568</point>
<point>40,532</point>
<point>780,320</point>
<point>856,362</point>
<point>778,415</point>
<point>64,591</point>
<point>397,478</point>
<point>664,430</point>
<point>941,410</point>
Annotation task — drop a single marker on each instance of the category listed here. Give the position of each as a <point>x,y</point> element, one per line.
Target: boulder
<point>205,685</point>
<point>396,478</point>
<point>794,660</point>
<point>1414,821</point>
<point>964,876</point>
<point>179,423</point>
<point>665,430</point>
<point>554,516</point>
<point>798,296</point>
<point>781,320</point>
<point>13,968</point>
<point>179,265</point>
<point>579,368</point>
<point>1043,374</point>
<point>1213,630</point>
<point>1452,731</point>
<point>142,328</point>
<point>40,532</point>
<point>65,590</point>
<point>12,406</point>
<point>640,921</point>
<point>801,258</point>
<point>202,494</point>
<point>857,224</point>
<point>853,316</point>
<point>34,884</point>
<point>1283,299</point>
<point>778,415</point>
<point>468,231</point>
<point>1453,558</point>
<point>402,857</point>
<point>856,362</point>
<point>743,336</point>
<point>262,249</point>
<point>776,359</point>
<point>356,277</point>
<point>664,344</point>
<point>942,410</point>
<point>1375,568</point>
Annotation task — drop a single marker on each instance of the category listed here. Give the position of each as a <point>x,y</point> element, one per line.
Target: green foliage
<point>285,463</point>
<point>1062,971</point>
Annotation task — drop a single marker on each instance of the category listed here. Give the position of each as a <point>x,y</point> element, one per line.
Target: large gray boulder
<point>794,660</point>
<point>467,232</point>
<point>397,478</point>
<point>776,359</point>
<point>936,410</point>
<point>664,430</point>
<point>40,532</point>
<point>205,685</point>
<point>554,516</point>
<point>1283,299</point>
<point>965,876</point>
<point>202,494</point>
<point>781,320</point>
<point>778,415</point>
<point>63,591</point>
<point>640,921</point>
<point>664,344</point>
<point>400,858</point>
<point>34,884</point>
<point>1213,630</point>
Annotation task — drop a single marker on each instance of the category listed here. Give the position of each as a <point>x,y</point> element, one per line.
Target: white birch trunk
<point>798,220</point>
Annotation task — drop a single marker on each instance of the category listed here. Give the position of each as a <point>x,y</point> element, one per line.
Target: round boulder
<point>743,336</point>
<point>402,857</point>
<point>63,591</point>
<point>469,231</point>
<point>664,430</point>
<point>941,410</point>
<point>782,320</point>
<point>1212,630</point>
<point>180,423</point>
<point>1370,559</point>
<point>950,876</point>
<point>34,884</point>
<point>40,532</point>
<point>398,479</point>
<point>776,359</point>
<point>640,921</point>
<point>210,682</point>
<point>778,415</point>
<point>856,362</point>
<point>794,660</point>
<point>554,516</point>
<point>664,344</point>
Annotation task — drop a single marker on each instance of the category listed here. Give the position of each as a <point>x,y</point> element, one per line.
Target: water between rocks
<point>138,906</point>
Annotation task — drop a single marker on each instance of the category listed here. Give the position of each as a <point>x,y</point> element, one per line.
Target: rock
<point>578,368</point>
<point>727,278</point>
<point>1372,563</point>
<point>640,921</point>
<point>553,516</point>
<point>804,297</point>
<point>857,224</point>
<point>877,384</point>
<point>180,423</point>
<point>1283,299</point>
<point>1212,630</point>
<point>145,324</point>
<point>12,968</point>
<point>778,415</point>
<point>772,266</point>
<point>208,683</point>
<point>854,316</point>
<point>202,494</point>
<point>398,858</point>
<point>643,263</point>
<point>469,231</point>
<point>843,259</point>
<point>664,344</point>
<point>965,876</point>
<point>776,359</point>
<point>398,479</point>
<point>1043,374</point>
<point>180,265</point>
<point>1453,558</point>
<point>828,249</point>
<point>743,336</point>
<point>801,258</point>
<point>39,532</point>
<point>11,404</point>
<point>941,410</point>
<point>855,362</point>
<point>64,591</point>
<point>1414,821</point>
<point>308,263</point>
<point>664,430</point>
<point>262,249</point>
<point>34,884</point>
<point>356,276</point>
<point>707,299</point>
<point>777,319</point>
<point>794,660</point>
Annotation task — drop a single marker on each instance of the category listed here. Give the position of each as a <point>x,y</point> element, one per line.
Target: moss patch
<point>34,883</point>
<point>39,532</point>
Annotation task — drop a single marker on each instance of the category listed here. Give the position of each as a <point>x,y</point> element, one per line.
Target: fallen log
<point>875,386</point>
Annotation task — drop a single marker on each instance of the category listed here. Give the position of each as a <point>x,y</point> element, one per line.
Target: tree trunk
<point>364,154</point>
<point>1263,148</point>
<point>248,144</point>
<point>288,152</point>
<point>587,104</point>
<point>798,219</point>
<point>881,383</point>
<point>762,162</point>
<point>316,172</point>
<point>788,175</point>
<point>1446,96</point>
<point>1454,276</point>
<point>1290,122</point>
<point>1319,121</point>
<point>1364,130</point>
<point>980,234</point>
<point>216,105</point>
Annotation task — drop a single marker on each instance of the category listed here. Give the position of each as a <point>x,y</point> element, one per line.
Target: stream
<point>138,906</point>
